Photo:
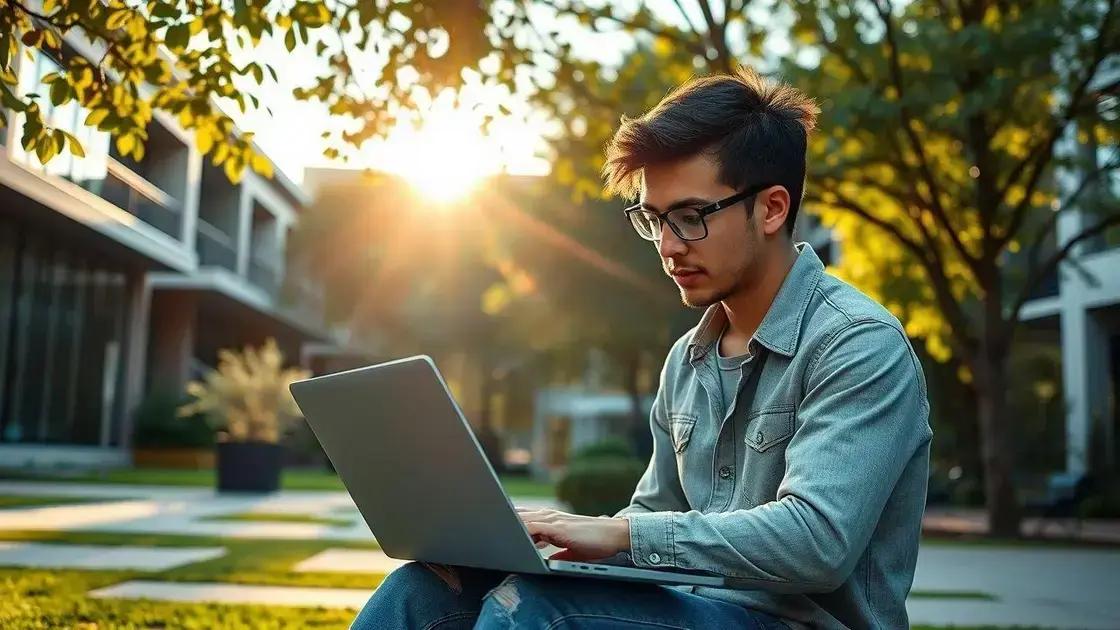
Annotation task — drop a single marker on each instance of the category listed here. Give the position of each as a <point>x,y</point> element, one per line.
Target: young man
<point>791,433</point>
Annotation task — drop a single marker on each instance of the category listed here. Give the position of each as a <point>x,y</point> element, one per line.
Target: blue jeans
<point>435,597</point>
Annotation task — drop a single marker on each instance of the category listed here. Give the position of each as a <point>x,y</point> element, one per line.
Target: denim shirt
<point>809,491</point>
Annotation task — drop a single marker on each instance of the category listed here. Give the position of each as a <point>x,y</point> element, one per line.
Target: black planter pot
<point>249,466</point>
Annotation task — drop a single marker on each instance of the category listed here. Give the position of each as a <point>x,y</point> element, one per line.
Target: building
<point>1082,305</point>
<point>121,278</point>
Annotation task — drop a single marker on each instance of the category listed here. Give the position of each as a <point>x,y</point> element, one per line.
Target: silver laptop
<point>406,454</point>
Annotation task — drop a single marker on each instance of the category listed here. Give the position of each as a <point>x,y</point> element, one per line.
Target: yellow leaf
<point>262,165</point>
<point>125,144</point>
<point>205,140</point>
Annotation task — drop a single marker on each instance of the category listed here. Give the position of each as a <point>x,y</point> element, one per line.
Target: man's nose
<point>670,244</point>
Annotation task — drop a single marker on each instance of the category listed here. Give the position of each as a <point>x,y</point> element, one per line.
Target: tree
<point>943,137</point>
<point>939,166</point>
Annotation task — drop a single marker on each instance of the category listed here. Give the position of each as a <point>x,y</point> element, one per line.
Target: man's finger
<point>564,554</point>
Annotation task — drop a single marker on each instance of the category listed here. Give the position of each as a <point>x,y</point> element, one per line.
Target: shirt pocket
<point>769,427</point>
<point>680,430</point>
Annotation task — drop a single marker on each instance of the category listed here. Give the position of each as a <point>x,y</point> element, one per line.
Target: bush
<point>1102,502</point>
<point>610,447</point>
<point>600,479</point>
<point>159,426</point>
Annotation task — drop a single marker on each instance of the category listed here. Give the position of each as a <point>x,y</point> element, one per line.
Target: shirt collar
<point>780,329</point>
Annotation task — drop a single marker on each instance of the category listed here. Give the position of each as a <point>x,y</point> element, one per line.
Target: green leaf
<point>166,11</point>
<point>60,92</point>
<point>178,36</point>
<point>75,147</point>
<point>45,151</point>
<point>290,40</point>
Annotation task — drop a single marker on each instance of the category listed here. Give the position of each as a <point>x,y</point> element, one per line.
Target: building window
<point>63,326</point>
<point>69,117</point>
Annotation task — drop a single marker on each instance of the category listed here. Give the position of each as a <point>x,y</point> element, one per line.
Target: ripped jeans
<point>424,596</point>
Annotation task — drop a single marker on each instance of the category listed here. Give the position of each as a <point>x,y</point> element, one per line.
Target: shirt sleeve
<point>659,489</point>
<point>863,417</point>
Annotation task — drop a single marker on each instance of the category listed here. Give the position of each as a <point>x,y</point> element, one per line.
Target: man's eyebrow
<point>687,202</point>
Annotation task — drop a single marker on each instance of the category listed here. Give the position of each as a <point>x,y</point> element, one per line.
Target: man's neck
<point>746,309</point>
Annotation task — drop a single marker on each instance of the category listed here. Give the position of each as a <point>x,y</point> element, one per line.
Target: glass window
<point>69,117</point>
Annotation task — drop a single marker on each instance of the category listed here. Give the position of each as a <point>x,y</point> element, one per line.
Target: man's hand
<point>581,537</point>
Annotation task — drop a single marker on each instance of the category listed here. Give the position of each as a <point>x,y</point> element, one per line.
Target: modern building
<point>120,278</point>
<point>1082,303</point>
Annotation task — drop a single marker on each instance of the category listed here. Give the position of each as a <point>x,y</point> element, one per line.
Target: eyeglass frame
<point>703,211</point>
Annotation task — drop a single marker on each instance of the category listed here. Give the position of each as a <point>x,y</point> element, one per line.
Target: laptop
<point>409,460</point>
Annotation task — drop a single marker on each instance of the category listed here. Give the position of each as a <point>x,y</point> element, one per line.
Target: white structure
<point>1086,299</point>
<point>119,277</point>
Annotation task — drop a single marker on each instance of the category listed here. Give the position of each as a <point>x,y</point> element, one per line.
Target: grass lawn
<point>57,599</point>
<point>26,501</point>
<point>282,517</point>
<point>294,479</point>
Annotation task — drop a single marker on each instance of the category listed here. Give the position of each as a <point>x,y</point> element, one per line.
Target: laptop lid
<point>409,460</point>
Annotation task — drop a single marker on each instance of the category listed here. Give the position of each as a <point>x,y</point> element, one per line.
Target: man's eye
<point>690,218</point>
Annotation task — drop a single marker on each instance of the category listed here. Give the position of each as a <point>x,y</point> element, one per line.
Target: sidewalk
<point>1030,585</point>
<point>973,521</point>
<point>186,510</point>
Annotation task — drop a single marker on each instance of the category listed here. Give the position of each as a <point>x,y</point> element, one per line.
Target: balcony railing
<point>265,273</point>
<point>132,193</point>
<point>215,248</point>
<point>304,295</point>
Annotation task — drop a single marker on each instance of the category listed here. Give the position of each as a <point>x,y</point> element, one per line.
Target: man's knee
<point>526,598</point>
<point>421,577</point>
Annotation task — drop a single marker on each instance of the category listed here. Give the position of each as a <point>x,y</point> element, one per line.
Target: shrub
<point>247,397</point>
<point>157,425</point>
<point>600,479</point>
<point>610,447</point>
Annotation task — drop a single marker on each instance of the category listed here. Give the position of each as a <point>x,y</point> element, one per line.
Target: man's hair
<point>755,129</point>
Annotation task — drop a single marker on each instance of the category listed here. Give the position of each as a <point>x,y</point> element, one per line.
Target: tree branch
<point>718,36</point>
<point>1070,202</point>
<point>942,291</point>
<point>936,208</point>
<point>64,26</point>
<point>671,35</point>
<point>687,17</point>
<point>1044,152</point>
<point>1038,273</point>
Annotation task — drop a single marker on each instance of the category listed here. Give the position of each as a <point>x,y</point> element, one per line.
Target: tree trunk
<point>638,430</point>
<point>996,452</point>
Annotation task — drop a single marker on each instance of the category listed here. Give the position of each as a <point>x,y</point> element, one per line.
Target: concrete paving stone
<point>65,556</point>
<point>308,597</point>
<point>349,561</point>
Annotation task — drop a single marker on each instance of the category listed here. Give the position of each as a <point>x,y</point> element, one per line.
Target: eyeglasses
<point>687,222</point>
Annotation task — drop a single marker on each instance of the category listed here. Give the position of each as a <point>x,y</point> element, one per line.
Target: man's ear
<point>773,204</point>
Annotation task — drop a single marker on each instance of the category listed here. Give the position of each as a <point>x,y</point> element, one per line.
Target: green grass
<point>295,479</point>
<point>57,599</point>
<point>281,517</point>
<point>24,501</point>
<point>33,599</point>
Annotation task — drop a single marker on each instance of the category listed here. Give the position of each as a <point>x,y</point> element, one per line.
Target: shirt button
<point>654,558</point>
<point>725,472</point>
<point>758,437</point>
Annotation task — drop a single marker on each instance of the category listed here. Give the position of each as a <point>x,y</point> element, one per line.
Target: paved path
<point>1035,586</point>
<point>236,594</point>
<point>186,510</point>
<point>116,557</point>
<point>974,521</point>
<point>1058,588</point>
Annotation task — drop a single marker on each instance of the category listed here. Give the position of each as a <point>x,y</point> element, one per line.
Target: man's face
<point>711,269</point>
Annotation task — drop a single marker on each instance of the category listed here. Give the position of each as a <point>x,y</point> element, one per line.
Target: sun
<point>448,154</point>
